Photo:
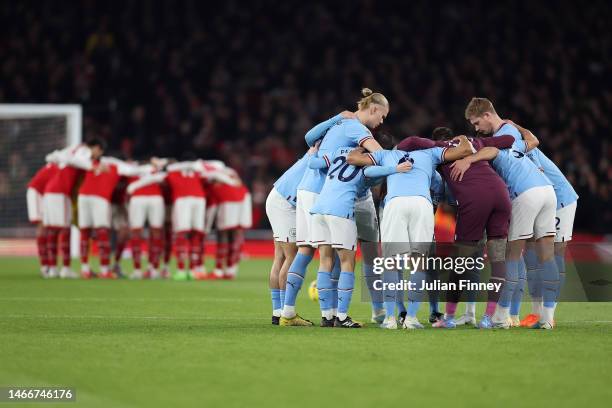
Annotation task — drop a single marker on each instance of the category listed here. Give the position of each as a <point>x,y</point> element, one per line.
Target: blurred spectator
<point>243,81</point>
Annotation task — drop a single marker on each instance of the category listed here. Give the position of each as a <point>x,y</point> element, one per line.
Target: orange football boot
<point>530,320</point>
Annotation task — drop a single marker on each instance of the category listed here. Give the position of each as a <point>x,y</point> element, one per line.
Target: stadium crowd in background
<point>173,77</point>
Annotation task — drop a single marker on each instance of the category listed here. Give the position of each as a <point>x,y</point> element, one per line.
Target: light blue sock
<point>517,296</point>
<point>390,296</point>
<point>324,286</point>
<point>345,291</point>
<point>335,276</point>
<point>295,277</point>
<point>376,296</point>
<point>534,274</point>
<point>282,297</point>
<point>550,282</point>
<point>415,296</point>
<point>505,297</point>
<point>560,261</point>
<point>276,300</point>
<point>413,308</point>
<point>399,295</point>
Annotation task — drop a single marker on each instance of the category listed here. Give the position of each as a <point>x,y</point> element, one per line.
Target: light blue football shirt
<point>563,189</point>
<point>416,182</point>
<point>519,144</point>
<point>518,172</point>
<point>287,184</point>
<point>343,133</point>
<point>343,184</point>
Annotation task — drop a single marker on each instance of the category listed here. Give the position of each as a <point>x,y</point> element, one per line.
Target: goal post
<point>27,133</point>
<point>72,113</point>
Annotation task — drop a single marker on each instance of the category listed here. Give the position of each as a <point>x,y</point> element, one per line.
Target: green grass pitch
<point>210,344</point>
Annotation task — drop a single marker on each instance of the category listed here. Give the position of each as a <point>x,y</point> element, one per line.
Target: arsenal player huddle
<point>179,202</point>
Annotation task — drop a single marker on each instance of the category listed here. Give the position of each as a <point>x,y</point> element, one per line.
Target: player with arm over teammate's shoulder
<point>533,211</point>
<point>72,162</point>
<point>408,224</point>
<point>567,200</point>
<point>280,209</point>
<point>483,206</point>
<point>334,228</point>
<point>347,129</point>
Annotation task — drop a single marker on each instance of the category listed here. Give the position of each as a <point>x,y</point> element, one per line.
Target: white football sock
<point>470,309</point>
<point>548,314</point>
<point>501,314</point>
<point>536,306</point>
<point>288,312</point>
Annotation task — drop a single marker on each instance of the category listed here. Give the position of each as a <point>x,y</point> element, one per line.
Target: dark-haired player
<point>483,206</point>
<point>408,223</point>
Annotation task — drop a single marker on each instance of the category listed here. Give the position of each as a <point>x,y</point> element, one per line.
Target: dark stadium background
<point>243,81</point>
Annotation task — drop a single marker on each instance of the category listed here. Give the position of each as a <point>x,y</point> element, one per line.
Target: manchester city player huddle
<point>507,193</point>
